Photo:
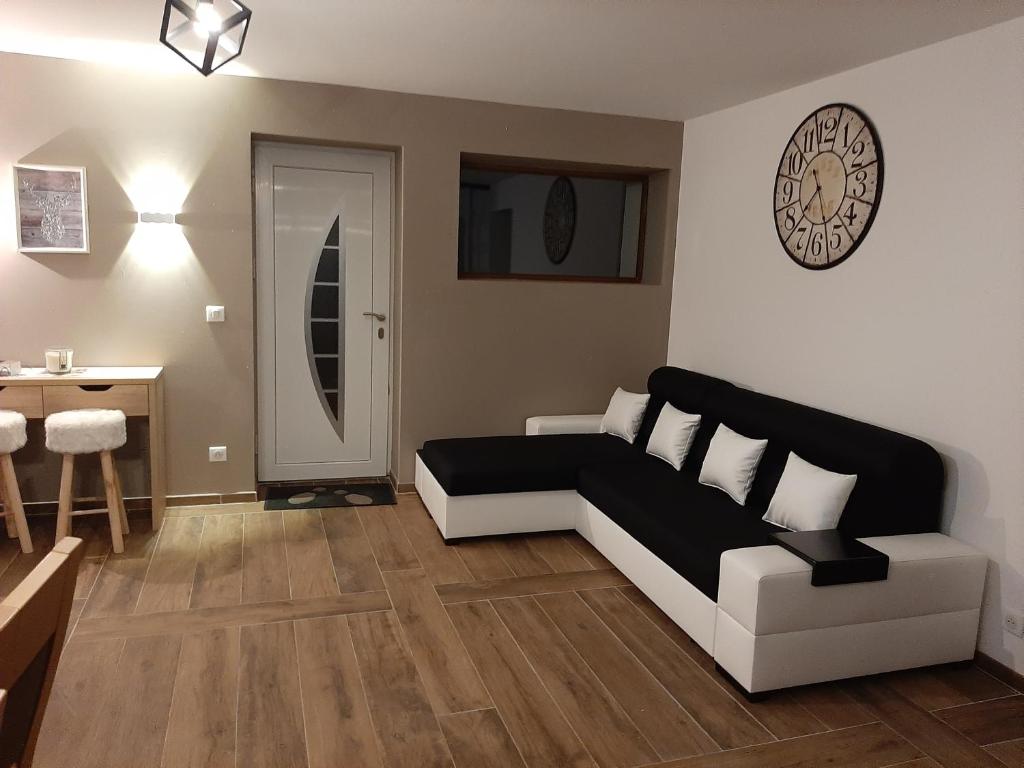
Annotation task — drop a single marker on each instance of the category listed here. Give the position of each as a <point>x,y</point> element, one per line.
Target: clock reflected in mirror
<point>828,186</point>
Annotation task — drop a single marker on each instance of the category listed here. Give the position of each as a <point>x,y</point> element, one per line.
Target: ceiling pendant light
<point>205,33</point>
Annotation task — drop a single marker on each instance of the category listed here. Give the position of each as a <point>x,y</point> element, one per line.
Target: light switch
<point>214,314</point>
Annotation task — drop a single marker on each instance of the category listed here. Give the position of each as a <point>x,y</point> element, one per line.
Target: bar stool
<point>73,433</point>
<point>13,437</point>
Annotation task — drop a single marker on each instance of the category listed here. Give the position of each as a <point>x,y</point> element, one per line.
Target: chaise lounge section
<point>708,561</point>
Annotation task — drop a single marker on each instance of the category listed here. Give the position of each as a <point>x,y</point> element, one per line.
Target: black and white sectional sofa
<point>706,560</point>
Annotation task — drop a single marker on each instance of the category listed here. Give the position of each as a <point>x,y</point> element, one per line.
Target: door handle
<point>376,316</point>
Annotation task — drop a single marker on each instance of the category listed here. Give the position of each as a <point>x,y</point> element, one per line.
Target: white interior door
<point>323,289</point>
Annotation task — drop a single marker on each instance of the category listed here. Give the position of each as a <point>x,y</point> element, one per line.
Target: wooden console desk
<point>136,391</point>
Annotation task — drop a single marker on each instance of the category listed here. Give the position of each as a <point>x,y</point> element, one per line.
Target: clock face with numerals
<point>828,186</point>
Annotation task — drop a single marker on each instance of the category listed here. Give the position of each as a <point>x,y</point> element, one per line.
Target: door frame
<point>263,349</point>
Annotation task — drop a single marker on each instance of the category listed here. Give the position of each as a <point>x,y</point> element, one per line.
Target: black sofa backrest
<point>899,479</point>
<point>686,390</point>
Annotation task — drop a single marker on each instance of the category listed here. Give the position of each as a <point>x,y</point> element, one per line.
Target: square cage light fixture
<point>205,33</point>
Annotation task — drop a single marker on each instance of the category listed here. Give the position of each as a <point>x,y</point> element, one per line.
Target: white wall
<point>921,329</point>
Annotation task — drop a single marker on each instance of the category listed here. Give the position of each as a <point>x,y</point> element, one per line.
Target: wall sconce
<point>149,217</point>
<point>205,33</point>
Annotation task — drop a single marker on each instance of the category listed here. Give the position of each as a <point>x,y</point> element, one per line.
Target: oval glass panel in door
<point>325,326</point>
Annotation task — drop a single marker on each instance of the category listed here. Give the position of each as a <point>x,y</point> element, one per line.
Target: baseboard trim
<point>200,499</point>
<point>195,499</point>
<point>401,487</point>
<point>1000,671</point>
<point>143,503</point>
<point>238,498</point>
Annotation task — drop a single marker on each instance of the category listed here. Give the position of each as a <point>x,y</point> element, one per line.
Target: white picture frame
<point>52,208</point>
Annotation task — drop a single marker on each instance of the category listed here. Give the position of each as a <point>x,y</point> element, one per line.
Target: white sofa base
<point>686,605</point>
<point>500,513</point>
<point>768,662</point>
<point>491,514</point>
<point>770,628</point>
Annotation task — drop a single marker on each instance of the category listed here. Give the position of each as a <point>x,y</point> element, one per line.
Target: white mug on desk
<point>58,359</point>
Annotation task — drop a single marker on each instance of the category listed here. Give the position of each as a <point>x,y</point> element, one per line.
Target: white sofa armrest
<point>564,425</point>
<point>767,590</point>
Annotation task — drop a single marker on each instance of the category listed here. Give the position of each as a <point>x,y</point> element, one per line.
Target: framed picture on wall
<point>51,203</point>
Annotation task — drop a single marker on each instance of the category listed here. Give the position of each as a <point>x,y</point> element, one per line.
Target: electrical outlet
<point>1014,623</point>
<point>218,453</point>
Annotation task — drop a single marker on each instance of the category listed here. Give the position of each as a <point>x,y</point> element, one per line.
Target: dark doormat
<point>307,495</point>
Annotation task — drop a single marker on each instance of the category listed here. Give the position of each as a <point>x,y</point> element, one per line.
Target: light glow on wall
<point>158,193</point>
<point>157,188</point>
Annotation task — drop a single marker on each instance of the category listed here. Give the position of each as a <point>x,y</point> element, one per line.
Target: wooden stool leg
<point>12,531</point>
<point>67,474</point>
<point>113,506</point>
<point>120,499</point>
<point>13,498</point>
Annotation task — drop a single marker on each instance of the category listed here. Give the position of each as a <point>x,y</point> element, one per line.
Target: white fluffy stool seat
<point>85,431</point>
<point>12,432</point>
<point>72,433</point>
<point>12,437</point>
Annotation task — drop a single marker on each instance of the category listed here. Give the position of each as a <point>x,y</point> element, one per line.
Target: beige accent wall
<point>920,329</point>
<point>470,357</point>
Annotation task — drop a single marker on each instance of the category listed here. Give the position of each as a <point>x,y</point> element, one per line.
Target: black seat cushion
<point>471,465</point>
<point>686,525</point>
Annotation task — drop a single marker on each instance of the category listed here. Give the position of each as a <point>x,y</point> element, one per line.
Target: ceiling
<point>671,59</point>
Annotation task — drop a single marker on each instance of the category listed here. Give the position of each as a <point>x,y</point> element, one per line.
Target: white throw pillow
<point>624,414</point>
<point>673,435</point>
<point>809,498</point>
<point>731,462</point>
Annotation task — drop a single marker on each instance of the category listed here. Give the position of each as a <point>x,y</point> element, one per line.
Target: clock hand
<point>821,200</point>
<point>810,200</point>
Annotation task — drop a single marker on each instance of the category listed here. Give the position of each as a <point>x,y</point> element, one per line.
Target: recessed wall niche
<point>542,220</point>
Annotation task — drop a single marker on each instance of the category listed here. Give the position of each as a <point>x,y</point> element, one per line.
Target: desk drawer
<point>25,400</point>
<point>133,399</point>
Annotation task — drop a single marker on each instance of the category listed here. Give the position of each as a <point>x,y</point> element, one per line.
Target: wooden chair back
<point>33,624</point>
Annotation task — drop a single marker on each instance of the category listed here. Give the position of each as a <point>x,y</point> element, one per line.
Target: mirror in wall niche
<point>548,222</point>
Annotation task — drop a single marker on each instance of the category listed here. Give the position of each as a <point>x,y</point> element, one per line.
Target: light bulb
<point>208,21</point>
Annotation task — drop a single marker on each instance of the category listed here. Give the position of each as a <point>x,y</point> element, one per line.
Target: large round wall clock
<point>559,219</point>
<point>828,186</point>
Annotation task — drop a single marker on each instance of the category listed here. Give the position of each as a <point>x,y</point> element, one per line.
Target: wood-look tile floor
<point>355,637</point>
